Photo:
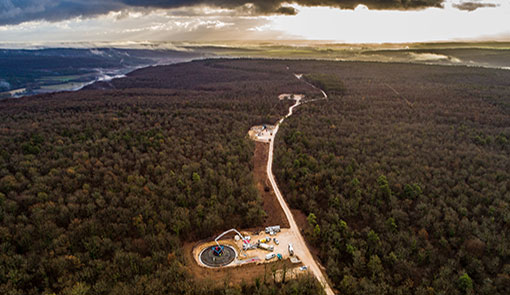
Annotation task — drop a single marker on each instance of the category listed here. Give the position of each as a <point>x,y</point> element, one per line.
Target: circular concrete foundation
<point>208,257</point>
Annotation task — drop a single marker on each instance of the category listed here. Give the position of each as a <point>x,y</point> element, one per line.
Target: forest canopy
<point>403,174</point>
<point>405,178</point>
<point>99,188</point>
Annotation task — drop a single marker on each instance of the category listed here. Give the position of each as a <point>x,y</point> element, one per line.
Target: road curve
<point>300,247</point>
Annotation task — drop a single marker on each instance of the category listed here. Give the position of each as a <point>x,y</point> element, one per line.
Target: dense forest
<point>404,174</point>
<point>100,188</point>
<point>404,177</point>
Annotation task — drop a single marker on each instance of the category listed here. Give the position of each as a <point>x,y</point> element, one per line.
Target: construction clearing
<point>285,96</point>
<point>217,256</point>
<point>262,133</point>
<point>244,248</point>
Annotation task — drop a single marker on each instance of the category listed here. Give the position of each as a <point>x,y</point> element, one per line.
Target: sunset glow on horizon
<point>363,25</point>
<point>202,23</point>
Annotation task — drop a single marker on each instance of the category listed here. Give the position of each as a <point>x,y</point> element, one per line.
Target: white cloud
<point>202,23</point>
<point>376,26</point>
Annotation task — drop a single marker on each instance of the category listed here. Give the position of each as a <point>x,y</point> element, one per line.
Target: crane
<point>226,232</point>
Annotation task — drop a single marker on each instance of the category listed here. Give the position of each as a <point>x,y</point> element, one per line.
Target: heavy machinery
<point>265,240</point>
<point>220,248</point>
<point>247,247</point>
<point>266,247</point>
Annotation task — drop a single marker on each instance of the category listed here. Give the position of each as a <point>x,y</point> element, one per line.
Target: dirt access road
<point>300,247</point>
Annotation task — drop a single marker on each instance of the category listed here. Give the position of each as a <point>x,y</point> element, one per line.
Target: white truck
<point>247,247</point>
<point>291,249</point>
<point>275,229</point>
<point>266,247</point>
<point>270,256</point>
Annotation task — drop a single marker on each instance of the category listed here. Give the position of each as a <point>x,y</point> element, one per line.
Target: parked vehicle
<point>270,256</point>
<point>248,246</point>
<point>276,241</point>
<point>266,247</point>
<point>275,229</point>
<point>280,257</point>
<point>291,249</point>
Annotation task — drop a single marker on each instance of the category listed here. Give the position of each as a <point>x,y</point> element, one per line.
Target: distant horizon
<point>109,60</point>
<point>5,45</point>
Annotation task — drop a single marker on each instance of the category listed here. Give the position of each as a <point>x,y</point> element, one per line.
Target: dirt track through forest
<point>300,247</point>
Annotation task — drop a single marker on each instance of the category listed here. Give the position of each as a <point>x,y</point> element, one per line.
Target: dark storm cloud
<point>470,6</point>
<point>18,11</point>
<point>286,10</point>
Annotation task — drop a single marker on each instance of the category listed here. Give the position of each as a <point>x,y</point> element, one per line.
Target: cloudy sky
<point>351,21</point>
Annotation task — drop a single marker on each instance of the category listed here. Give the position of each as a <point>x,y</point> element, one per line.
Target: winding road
<point>300,247</point>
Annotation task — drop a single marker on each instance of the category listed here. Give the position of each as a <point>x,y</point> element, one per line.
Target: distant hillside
<point>27,72</point>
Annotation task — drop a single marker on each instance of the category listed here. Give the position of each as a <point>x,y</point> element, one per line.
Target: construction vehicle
<point>245,241</point>
<point>266,247</point>
<point>218,250</point>
<point>248,246</point>
<point>291,249</point>
<point>270,256</point>
<point>265,240</point>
